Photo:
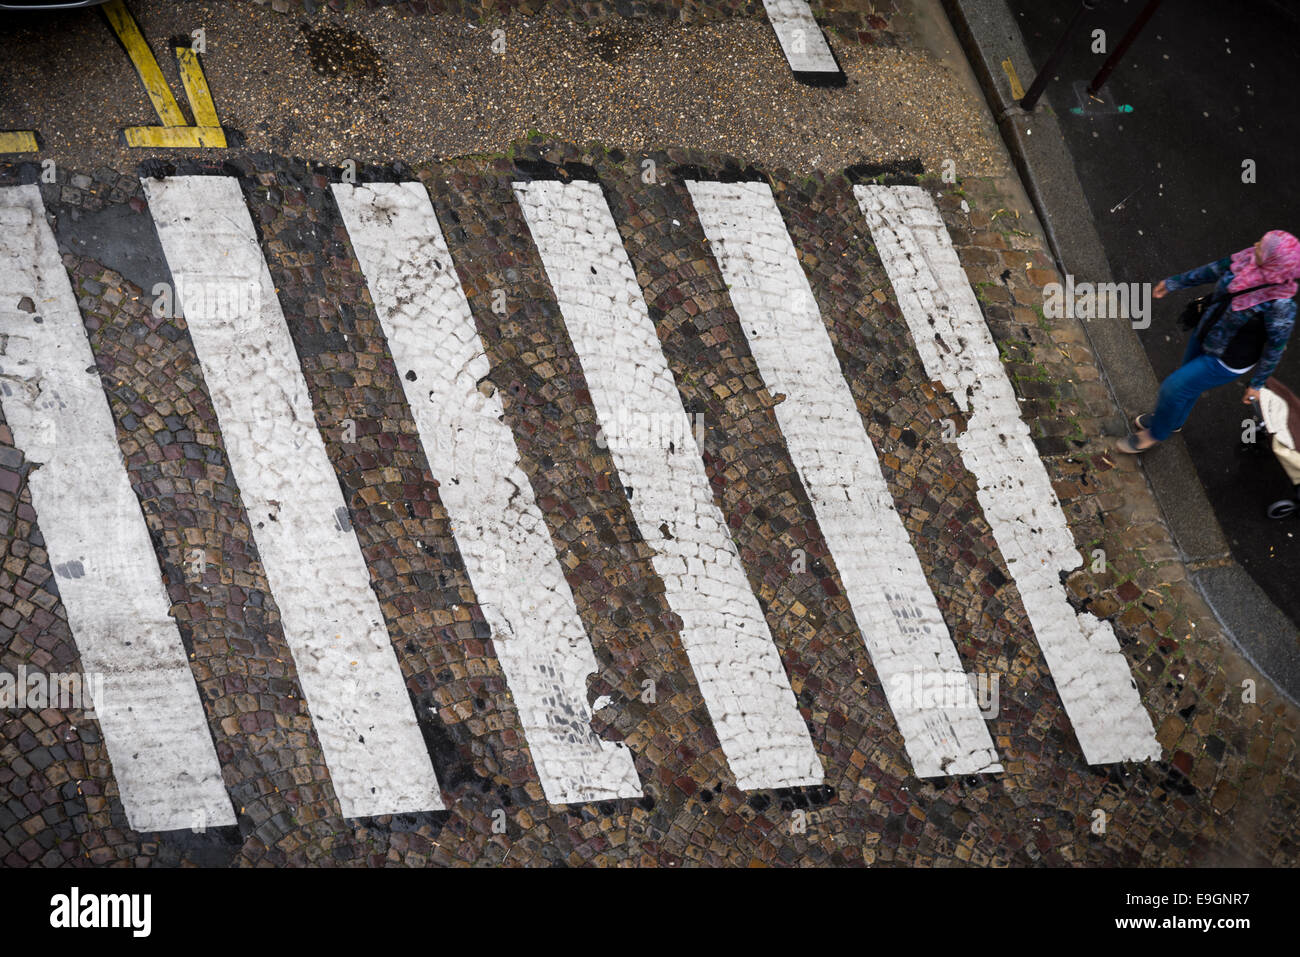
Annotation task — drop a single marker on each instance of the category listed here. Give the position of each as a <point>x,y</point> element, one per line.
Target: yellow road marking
<point>1017,90</point>
<point>175,137</point>
<point>174,131</point>
<point>196,88</point>
<point>18,141</point>
<point>124,25</point>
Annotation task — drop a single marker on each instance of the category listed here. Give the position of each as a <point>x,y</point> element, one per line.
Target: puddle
<point>613,45</point>
<point>338,52</point>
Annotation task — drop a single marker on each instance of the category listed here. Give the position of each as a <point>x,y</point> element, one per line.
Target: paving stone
<point>1182,811</point>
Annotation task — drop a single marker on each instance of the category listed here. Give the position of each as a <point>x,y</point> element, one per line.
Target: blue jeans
<point>1179,392</point>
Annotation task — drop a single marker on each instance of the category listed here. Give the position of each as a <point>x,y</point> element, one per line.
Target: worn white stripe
<point>913,653</point>
<point>723,631</point>
<point>331,619</point>
<point>502,535</point>
<point>801,40</point>
<point>1090,672</point>
<point>148,706</point>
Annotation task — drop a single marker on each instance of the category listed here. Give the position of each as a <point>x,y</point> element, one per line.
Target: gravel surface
<point>381,85</point>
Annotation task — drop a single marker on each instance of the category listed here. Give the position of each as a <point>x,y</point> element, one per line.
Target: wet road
<point>1208,92</point>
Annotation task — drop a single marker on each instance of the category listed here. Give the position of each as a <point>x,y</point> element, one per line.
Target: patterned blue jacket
<point>1279,318</point>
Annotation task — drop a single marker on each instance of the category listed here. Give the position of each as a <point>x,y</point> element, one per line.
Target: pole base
<point>1095,104</point>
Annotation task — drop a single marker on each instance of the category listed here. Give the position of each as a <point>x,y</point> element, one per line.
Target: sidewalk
<point>1265,634</point>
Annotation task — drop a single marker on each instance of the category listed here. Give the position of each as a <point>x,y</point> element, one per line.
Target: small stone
<point>1225,796</point>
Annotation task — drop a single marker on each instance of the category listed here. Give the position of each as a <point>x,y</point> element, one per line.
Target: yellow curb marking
<point>18,141</point>
<point>1017,90</point>
<point>174,131</point>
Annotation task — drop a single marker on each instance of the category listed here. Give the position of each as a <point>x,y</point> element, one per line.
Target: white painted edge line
<point>148,706</point>
<point>1091,674</point>
<point>332,622</point>
<point>923,678</point>
<point>538,635</point>
<point>724,633</point>
<point>801,39</point>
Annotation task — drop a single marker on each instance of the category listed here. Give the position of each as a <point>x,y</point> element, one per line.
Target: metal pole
<point>1112,61</point>
<point>1030,99</point>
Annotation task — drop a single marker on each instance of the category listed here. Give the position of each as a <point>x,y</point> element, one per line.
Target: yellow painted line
<point>174,133</point>
<point>18,141</point>
<point>175,137</point>
<point>196,88</point>
<point>124,25</point>
<point>1017,90</point>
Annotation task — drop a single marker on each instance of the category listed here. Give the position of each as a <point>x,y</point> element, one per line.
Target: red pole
<point>1030,99</point>
<point>1113,60</point>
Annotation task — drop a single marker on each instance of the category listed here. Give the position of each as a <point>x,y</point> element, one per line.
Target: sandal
<point>1143,422</point>
<point>1282,508</point>
<point>1285,507</point>
<point>1129,445</point>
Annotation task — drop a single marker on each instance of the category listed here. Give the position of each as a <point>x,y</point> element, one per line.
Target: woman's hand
<point>1252,395</point>
<point>1161,290</point>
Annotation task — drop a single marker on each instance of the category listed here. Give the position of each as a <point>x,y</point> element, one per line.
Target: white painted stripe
<point>331,619</point>
<point>723,631</point>
<point>1091,674</point>
<point>923,678</point>
<point>158,740</point>
<point>801,40</point>
<point>537,633</point>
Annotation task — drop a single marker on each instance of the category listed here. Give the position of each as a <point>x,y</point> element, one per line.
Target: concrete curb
<point>1259,629</point>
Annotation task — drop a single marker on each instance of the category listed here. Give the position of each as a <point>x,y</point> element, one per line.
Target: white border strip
<point>723,630</point>
<point>537,633</point>
<point>923,678</point>
<point>154,726</point>
<point>1090,672</point>
<point>801,39</point>
<point>332,621</point>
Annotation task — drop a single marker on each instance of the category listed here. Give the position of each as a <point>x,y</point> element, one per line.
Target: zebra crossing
<point>896,611</point>
<point>331,617</point>
<point>724,632</point>
<point>108,575</point>
<point>540,639</point>
<point>153,721</point>
<point>1014,490</point>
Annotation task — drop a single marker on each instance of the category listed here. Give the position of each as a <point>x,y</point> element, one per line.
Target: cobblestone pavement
<point>1224,791</point>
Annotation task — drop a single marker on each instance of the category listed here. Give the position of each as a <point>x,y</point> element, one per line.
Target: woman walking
<point>1247,328</point>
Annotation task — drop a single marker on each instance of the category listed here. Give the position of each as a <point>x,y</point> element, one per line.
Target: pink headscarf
<point>1281,267</point>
